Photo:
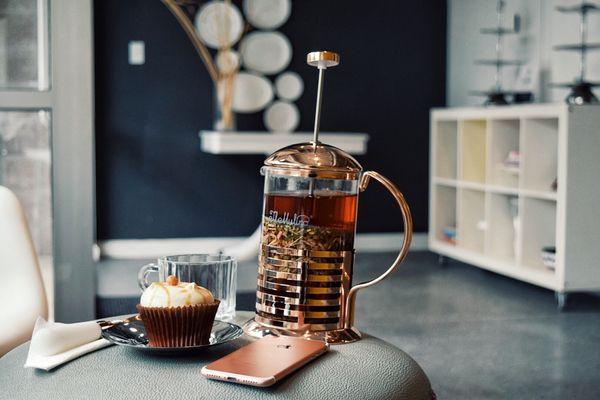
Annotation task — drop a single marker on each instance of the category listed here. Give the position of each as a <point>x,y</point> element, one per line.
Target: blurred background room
<point>122,145</point>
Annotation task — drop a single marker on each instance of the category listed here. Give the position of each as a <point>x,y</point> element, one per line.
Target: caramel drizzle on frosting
<point>184,289</point>
<point>168,294</point>
<point>188,297</point>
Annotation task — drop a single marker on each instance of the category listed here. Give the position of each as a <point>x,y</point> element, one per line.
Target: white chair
<point>22,297</point>
<point>246,250</point>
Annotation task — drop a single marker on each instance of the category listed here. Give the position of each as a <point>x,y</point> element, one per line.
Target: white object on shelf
<point>251,92</point>
<point>219,24</point>
<point>266,143</point>
<point>266,52</point>
<point>289,86</point>
<point>555,141</point>
<point>510,169</point>
<point>267,14</point>
<point>549,258</point>
<point>513,158</point>
<point>282,117</point>
<point>512,163</point>
<point>228,61</point>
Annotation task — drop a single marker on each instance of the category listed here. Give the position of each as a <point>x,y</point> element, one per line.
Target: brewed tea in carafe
<point>306,255</point>
<point>311,219</point>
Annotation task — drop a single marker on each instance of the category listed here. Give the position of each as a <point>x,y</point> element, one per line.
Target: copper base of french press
<point>338,336</point>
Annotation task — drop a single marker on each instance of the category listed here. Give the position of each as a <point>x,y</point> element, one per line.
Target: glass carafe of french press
<point>308,227</point>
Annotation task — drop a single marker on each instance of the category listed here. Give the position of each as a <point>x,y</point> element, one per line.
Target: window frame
<point>70,99</point>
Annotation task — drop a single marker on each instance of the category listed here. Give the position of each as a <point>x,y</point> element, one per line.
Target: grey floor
<point>476,334</point>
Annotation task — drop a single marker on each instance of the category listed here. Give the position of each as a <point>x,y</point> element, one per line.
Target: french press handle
<point>408,230</point>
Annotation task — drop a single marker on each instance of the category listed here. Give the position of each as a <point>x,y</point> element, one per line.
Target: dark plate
<point>131,333</point>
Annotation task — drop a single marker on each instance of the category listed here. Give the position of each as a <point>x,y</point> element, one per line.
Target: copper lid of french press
<point>316,159</point>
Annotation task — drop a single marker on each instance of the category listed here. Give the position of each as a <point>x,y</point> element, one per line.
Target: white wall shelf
<point>473,194</point>
<point>215,142</point>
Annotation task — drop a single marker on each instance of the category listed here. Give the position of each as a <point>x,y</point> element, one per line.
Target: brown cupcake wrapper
<point>179,326</point>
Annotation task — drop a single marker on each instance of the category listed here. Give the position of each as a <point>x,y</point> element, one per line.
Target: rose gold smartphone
<point>266,361</point>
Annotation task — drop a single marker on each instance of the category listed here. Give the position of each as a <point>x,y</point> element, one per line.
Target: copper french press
<point>309,220</point>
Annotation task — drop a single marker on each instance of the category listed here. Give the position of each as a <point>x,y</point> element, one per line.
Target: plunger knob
<point>323,59</point>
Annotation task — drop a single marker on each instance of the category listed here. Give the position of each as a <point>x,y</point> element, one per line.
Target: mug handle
<point>143,275</point>
<point>408,230</point>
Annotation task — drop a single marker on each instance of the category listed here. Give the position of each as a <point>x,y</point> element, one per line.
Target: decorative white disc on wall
<point>267,14</point>
<point>289,86</point>
<point>281,117</point>
<point>266,52</point>
<point>219,24</point>
<point>228,61</point>
<point>251,92</point>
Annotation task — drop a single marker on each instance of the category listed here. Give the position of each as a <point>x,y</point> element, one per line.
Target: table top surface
<point>368,369</point>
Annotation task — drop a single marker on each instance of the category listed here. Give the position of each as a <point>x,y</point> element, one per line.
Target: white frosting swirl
<point>162,294</point>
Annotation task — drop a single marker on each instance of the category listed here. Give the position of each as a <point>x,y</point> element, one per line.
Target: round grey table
<point>368,369</point>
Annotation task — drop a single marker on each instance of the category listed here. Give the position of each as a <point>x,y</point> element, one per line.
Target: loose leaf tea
<point>310,222</point>
<point>318,223</point>
<point>305,237</point>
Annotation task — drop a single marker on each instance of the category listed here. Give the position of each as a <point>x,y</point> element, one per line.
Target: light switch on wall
<point>137,52</point>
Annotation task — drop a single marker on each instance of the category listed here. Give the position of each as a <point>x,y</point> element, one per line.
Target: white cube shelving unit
<point>470,191</point>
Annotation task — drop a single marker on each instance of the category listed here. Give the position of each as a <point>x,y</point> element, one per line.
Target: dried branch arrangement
<point>222,79</point>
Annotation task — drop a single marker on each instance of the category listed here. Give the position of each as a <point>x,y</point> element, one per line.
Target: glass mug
<point>217,273</point>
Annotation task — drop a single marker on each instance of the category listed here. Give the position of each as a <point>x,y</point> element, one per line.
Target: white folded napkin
<point>53,344</point>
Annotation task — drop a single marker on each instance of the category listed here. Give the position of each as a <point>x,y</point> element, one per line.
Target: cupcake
<point>177,314</point>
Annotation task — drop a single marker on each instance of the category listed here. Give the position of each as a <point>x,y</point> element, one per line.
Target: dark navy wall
<point>154,182</point>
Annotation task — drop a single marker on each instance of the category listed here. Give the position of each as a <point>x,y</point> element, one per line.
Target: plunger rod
<point>318,107</point>
<point>322,60</point>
